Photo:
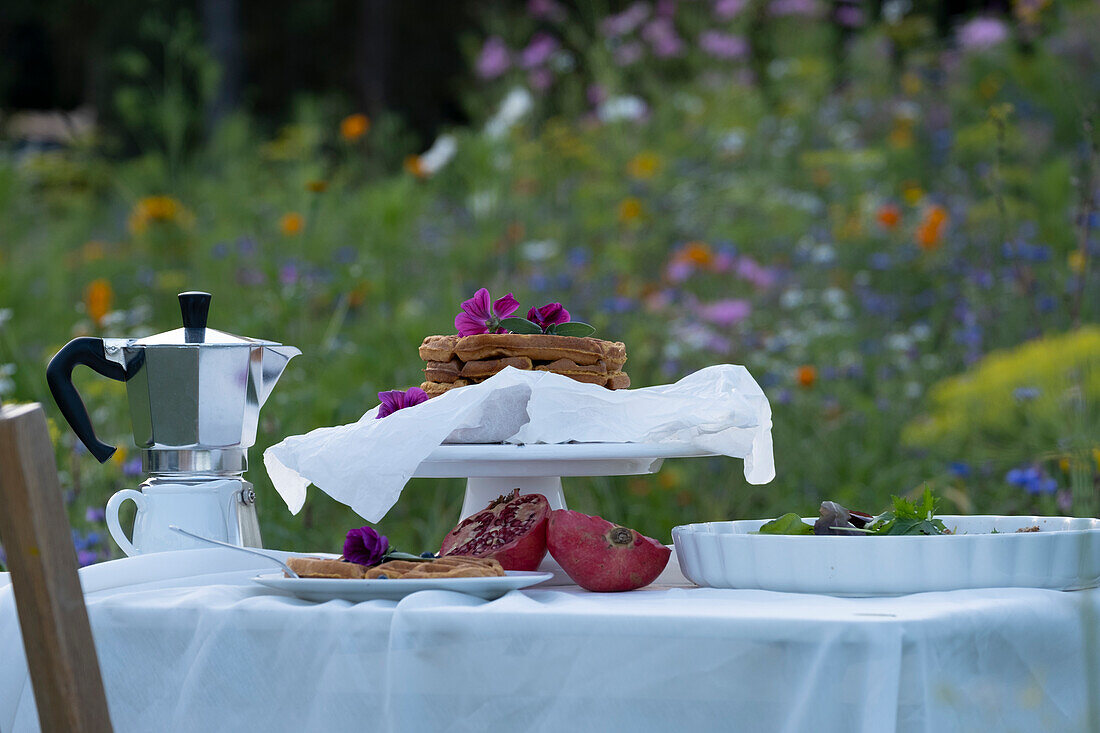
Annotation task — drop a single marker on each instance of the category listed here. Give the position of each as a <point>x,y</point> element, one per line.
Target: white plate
<point>551,459</point>
<point>329,589</point>
<point>1063,555</point>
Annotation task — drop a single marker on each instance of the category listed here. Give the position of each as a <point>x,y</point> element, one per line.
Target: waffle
<point>451,566</point>
<point>454,361</point>
<point>319,567</point>
<point>434,389</point>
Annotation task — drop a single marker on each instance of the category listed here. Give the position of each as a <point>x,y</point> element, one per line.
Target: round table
<point>187,642</point>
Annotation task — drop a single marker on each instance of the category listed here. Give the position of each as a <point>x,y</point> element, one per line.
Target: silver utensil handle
<point>249,550</point>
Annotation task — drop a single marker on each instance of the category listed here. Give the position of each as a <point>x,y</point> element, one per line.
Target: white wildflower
<point>539,250</point>
<point>439,154</point>
<point>516,105</point>
<point>617,109</point>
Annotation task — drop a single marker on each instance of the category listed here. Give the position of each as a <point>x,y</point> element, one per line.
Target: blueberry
<point>427,554</point>
<point>383,576</point>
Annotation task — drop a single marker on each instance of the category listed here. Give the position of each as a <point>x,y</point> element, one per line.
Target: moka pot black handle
<point>88,351</point>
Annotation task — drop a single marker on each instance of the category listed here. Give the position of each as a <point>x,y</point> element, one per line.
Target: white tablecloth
<point>209,650</point>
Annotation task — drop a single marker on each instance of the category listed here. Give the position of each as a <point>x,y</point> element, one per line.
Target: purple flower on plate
<point>548,315</point>
<point>481,315</point>
<point>494,58</point>
<point>364,546</point>
<point>395,400</point>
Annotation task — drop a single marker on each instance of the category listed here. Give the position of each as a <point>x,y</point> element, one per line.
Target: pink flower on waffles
<point>550,314</point>
<point>481,315</point>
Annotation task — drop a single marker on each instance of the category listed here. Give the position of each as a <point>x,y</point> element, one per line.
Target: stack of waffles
<point>456,361</point>
<point>452,566</point>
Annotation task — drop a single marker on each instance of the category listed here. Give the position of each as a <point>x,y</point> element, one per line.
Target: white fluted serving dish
<point>1063,555</point>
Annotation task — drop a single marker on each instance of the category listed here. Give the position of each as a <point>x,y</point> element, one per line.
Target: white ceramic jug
<point>207,508</point>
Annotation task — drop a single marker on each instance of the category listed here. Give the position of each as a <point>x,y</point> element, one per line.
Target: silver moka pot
<point>195,396</point>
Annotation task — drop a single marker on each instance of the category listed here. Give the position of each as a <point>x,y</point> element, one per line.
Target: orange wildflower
<point>292,223</point>
<point>697,253</point>
<point>157,209</point>
<point>888,215</point>
<point>630,210</point>
<point>98,297</point>
<point>414,165</point>
<point>354,127</point>
<point>806,375</point>
<point>930,231</point>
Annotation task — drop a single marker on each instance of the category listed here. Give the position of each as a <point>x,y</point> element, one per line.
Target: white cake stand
<point>494,469</point>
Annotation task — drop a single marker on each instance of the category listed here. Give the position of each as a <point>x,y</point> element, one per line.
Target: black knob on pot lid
<point>195,306</point>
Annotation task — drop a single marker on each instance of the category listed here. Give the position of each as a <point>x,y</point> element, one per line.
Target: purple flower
<point>288,274</point>
<point>749,269</point>
<point>725,312</point>
<point>550,314</point>
<point>86,557</point>
<point>546,9</point>
<point>723,45</point>
<point>849,16</point>
<point>626,21</point>
<point>538,51</point>
<point>596,94</point>
<point>793,7</point>
<point>478,317</point>
<point>395,400</point>
<point>662,36</point>
<point>94,514</point>
<point>365,546</point>
<point>132,467</point>
<point>726,9</point>
<point>494,58</point>
<point>982,33</point>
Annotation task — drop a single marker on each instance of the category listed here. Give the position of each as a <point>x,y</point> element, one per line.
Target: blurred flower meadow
<point>895,228</point>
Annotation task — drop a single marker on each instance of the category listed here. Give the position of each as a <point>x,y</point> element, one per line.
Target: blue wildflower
<point>1026,394</point>
<point>959,469</point>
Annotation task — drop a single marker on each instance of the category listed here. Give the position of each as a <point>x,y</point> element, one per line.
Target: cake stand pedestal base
<point>482,490</point>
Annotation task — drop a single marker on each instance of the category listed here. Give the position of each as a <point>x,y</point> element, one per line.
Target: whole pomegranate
<point>601,556</point>
<point>512,529</point>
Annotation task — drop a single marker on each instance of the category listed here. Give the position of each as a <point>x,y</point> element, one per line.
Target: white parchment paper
<point>366,464</point>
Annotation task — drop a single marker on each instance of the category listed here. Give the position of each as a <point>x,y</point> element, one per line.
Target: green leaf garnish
<point>520,325</point>
<point>395,555</point>
<point>910,518</point>
<point>789,523</point>
<point>571,328</point>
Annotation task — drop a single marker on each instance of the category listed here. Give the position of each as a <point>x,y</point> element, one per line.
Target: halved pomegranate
<point>601,556</point>
<point>511,529</point>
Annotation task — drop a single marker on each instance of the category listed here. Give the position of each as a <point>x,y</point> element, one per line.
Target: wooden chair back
<point>34,529</point>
